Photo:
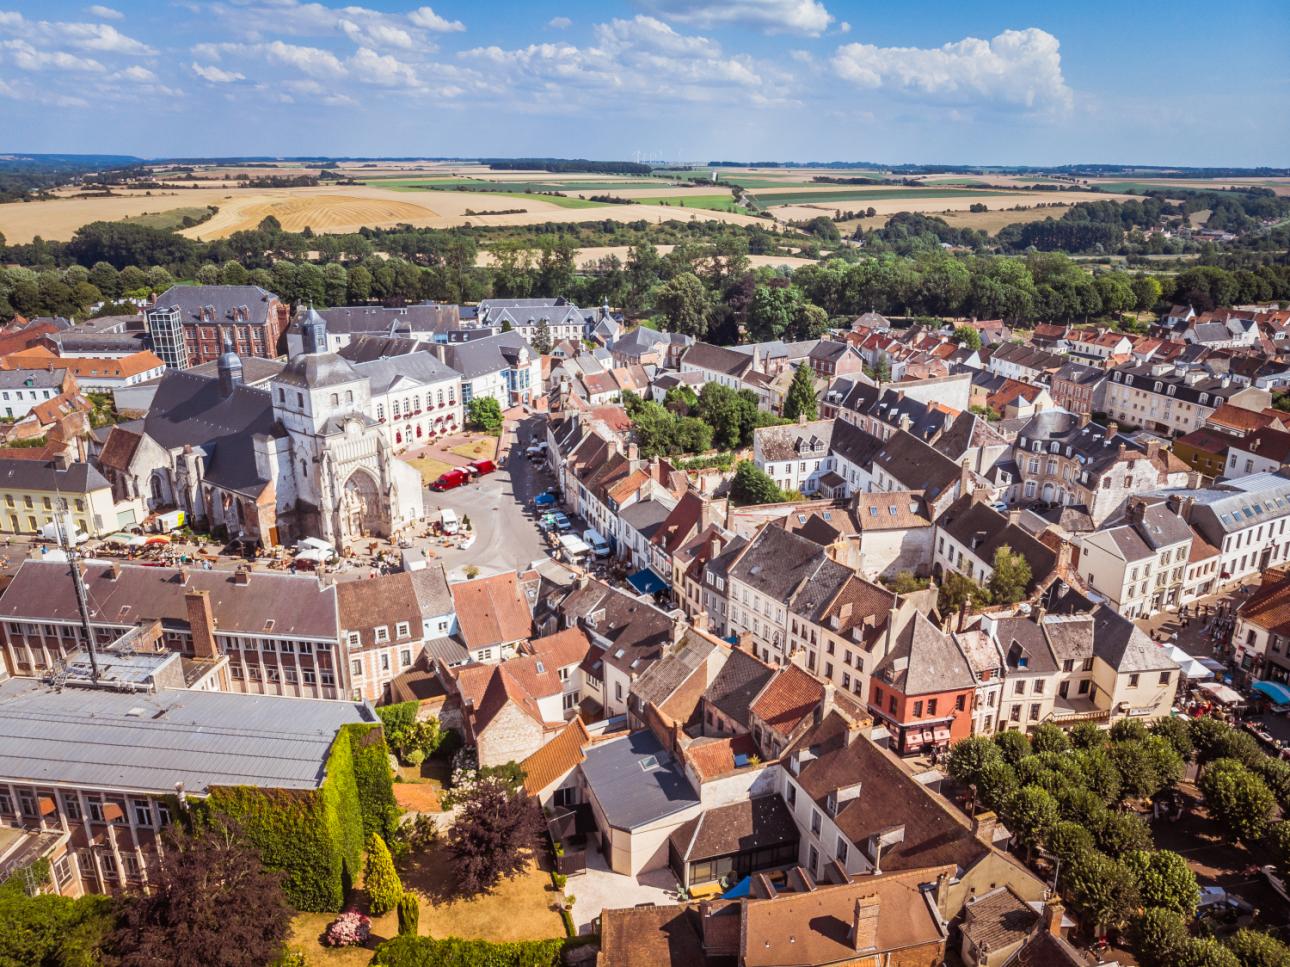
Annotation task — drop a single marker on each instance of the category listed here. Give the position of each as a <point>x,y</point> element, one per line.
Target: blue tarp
<point>647,582</point>
<point>544,500</point>
<point>742,888</point>
<point>1275,691</point>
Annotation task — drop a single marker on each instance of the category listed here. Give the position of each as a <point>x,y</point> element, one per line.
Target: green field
<point>169,220</point>
<point>718,203</point>
<point>767,198</point>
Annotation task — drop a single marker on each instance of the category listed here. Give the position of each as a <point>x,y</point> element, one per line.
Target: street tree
<point>1237,799</point>
<point>484,413</point>
<point>1164,880</point>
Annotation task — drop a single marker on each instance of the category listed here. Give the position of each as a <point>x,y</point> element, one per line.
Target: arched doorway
<point>360,506</point>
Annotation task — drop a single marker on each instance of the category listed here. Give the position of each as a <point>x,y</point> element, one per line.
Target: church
<point>301,456</point>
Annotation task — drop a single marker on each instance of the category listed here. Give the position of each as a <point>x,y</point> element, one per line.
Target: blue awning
<point>647,582</point>
<point>1275,691</point>
<point>742,888</point>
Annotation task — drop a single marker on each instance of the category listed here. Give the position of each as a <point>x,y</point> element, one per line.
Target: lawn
<point>169,220</point>
<point>430,469</point>
<point>477,449</point>
<point>519,909</point>
<point>767,198</point>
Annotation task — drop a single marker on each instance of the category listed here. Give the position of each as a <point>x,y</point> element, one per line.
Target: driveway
<point>499,508</point>
<point>599,888</point>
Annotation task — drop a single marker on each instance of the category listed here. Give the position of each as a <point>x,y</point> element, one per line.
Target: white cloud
<point>216,75</point>
<point>559,23</point>
<point>382,70</point>
<point>85,36</point>
<point>427,18</point>
<point>1018,67</point>
<point>377,35</point>
<point>28,58</point>
<point>140,74</point>
<point>844,27</point>
<point>807,17</point>
<point>105,13</point>
<point>6,90</point>
<point>308,60</point>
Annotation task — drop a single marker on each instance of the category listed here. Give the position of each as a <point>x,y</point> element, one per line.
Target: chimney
<point>983,825</point>
<point>864,927</point>
<point>441,351</point>
<point>1153,449</point>
<point>1135,509</point>
<point>1014,515</point>
<point>1083,419</point>
<point>942,892</point>
<point>242,576</point>
<point>714,547</point>
<point>1112,429</point>
<point>633,452</point>
<point>182,577</point>
<point>201,621</point>
<point>826,702</point>
<point>1064,551</point>
<point>60,461</point>
<point>891,632</point>
<point>1053,911</point>
<point>700,621</point>
<point>113,571</point>
<point>965,478</point>
<point>745,642</point>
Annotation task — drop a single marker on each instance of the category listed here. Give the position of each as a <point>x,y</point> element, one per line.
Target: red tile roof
<point>787,698</point>
<point>568,647</point>
<point>491,611</point>
<point>556,758</point>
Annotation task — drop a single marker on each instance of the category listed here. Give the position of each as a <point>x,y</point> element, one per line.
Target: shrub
<point>384,889</point>
<point>559,880</point>
<point>1255,949</point>
<point>415,758</point>
<point>409,915</point>
<point>349,929</point>
<point>408,951</point>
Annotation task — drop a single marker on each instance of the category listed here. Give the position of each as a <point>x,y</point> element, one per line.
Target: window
<point>931,705</point>
<point>841,852</point>
<point>918,709</point>
<point>402,629</point>
<point>1133,680</point>
<point>815,821</point>
<point>1019,688</point>
<point>383,633</point>
<point>356,667</point>
<point>1039,686</point>
<point>385,663</point>
<point>96,810</point>
<point>792,796</point>
<point>354,639</point>
<point>1034,713</point>
<point>142,813</point>
<point>1164,678</point>
<point>1068,665</point>
<point>960,703</point>
<point>71,808</point>
<point>405,657</point>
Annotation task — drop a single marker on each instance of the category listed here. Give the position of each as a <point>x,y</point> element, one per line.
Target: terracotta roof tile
<point>491,611</point>
<point>711,758</point>
<point>787,699</point>
<point>556,758</point>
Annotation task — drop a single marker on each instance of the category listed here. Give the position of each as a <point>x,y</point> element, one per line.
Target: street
<point>499,508</point>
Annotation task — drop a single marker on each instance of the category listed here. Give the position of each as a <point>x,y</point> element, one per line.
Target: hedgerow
<point>409,951</point>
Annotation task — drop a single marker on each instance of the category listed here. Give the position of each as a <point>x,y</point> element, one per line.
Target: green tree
<point>960,593</point>
<point>381,879</point>
<point>1066,839</point>
<point>1145,766</point>
<point>409,915</point>
<point>1087,735</point>
<point>1101,889</point>
<point>1254,948</point>
<point>1030,812</point>
<point>1121,833</point>
<point>1218,740</point>
<point>968,336</point>
<point>1013,744</point>
<point>683,304</point>
<point>968,757</point>
<point>1101,776</point>
<point>484,413</point>
<point>1157,935</point>
<point>1204,952</point>
<point>1164,880</point>
<point>542,342</point>
<point>996,783</point>
<point>1146,291</point>
<point>681,400</point>
<point>1278,846</point>
<point>773,310</point>
<point>1238,800</point>
<point>752,485</point>
<point>1049,738</point>
<point>1176,732</point>
<point>799,402</point>
<point>1011,578</point>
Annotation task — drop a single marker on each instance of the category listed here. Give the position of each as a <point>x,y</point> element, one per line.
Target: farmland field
<point>810,196</point>
<point>489,184</point>
<point>167,220</point>
<point>722,203</point>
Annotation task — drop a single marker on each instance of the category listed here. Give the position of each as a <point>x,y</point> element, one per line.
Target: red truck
<point>450,479</point>
<point>482,467</point>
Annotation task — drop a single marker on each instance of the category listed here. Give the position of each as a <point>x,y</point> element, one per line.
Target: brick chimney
<point>700,621</point>
<point>983,825</point>
<point>201,621</point>
<point>1112,429</point>
<point>242,576</point>
<point>1153,449</point>
<point>1083,419</point>
<point>1135,509</point>
<point>864,925</point>
<point>1053,911</point>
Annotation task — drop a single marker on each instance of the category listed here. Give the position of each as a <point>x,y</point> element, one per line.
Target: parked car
<point>450,479</point>
<point>562,523</point>
<point>599,546</point>
<point>482,467</point>
<point>536,451</point>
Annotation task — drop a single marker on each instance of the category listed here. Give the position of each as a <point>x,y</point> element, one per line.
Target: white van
<point>451,522</point>
<point>599,546</point>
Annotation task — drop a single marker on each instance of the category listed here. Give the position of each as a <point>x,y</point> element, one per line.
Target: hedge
<point>408,951</point>
<point>316,836</point>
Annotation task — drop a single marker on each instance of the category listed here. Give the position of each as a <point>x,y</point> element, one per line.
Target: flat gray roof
<point>636,782</point>
<point>148,742</point>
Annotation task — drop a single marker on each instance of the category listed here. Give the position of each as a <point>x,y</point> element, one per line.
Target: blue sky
<point>952,81</point>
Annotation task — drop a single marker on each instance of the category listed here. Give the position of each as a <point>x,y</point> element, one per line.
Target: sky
<point>939,82</point>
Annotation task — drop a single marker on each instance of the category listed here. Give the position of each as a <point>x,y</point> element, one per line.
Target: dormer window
<point>1170,390</point>
<point>1204,398</point>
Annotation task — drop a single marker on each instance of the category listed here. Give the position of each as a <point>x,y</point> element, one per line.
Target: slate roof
<point>78,478</point>
<point>645,516</point>
<point>378,320</point>
<point>1124,646</point>
<point>660,680</point>
<point>423,367</point>
<point>923,659</point>
<point>635,632</point>
<point>135,741</point>
<point>190,299</point>
<point>492,354</point>
<point>315,370</point>
<point>853,444</point>
<point>20,379</point>
<point>718,359</point>
<point>732,689</point>
<point>754,823</point>
<point>777,562</point>
<point>916,466</point>
<point>793,441</point>
<point>983,530</point>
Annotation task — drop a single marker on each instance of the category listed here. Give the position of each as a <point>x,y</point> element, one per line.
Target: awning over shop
<point>941,733</point>
<point>647,582</point>
<point>1221,693</point>
<point>1275,691</point>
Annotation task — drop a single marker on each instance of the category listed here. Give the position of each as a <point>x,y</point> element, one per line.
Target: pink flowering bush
<point>350,929</point>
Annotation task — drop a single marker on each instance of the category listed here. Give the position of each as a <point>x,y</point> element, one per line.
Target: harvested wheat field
<point>59,218</point>
<point>322,213</point>
<point>588,257</point>
<point>934,205</point>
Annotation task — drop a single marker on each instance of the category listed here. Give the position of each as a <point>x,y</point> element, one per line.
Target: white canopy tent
<point>1222,694</point>
<point>1191,667</point>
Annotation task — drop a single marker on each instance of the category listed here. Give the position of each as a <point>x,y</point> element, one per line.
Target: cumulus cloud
<point>559,23</point>
<point>382,70</point>
<point>1021,68</point>
<point>308,60</point>
<point>84,36</point>
<point>104,13</point>
<point>377,35</point>
<point>140,74</point>
<point>808,17</point>
<point>426,18</point>
<point>216,75</point>
<point>28,58</point>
